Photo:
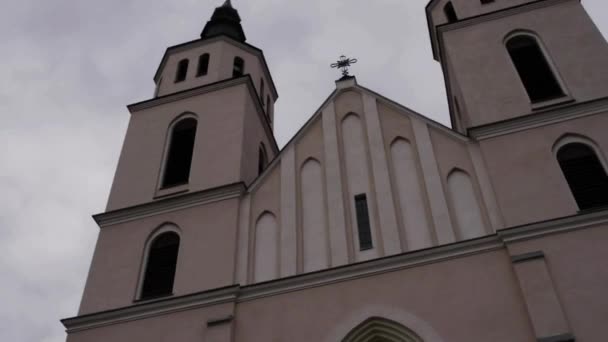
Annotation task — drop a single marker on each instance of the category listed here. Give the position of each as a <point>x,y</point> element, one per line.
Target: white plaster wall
<point>314,228</point>
<point>357,171</point>
<point>266,248</point>
<point>469,219</point>
<point>411,200</point>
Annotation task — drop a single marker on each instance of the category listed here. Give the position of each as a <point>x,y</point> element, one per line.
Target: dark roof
<point>225,21</point>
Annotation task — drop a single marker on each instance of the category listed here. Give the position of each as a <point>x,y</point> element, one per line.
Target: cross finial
<point>344,63</point>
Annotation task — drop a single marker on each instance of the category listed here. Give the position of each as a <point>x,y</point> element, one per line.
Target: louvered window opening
<point>161,265</point>
<point>182,71</point>
<point>179,159</point>
<point>363,223</point>
<point>533,69</point>
<point>203,65</point>
<point>585,175</point>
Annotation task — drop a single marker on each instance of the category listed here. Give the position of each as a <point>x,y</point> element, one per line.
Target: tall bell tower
<point>508,59</point>
<point>170,228</point>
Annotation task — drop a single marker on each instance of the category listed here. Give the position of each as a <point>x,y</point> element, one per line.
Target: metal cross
<point>344,63</point>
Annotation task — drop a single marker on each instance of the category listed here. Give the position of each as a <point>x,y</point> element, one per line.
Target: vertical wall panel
<point>384,192</point>
<point>411,198</point>
<point>355,156</point>
<point>266,248</point>
<point>289,251</point>
<point>434,186</point>
<point>243,242</point>
<point>465,205</point>
<point>335,199</point>
<point>314,228</point>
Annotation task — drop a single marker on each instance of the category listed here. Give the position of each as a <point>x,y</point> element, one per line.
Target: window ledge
<point>553,102</point>
<point>153,299</point>
<point>174,190</point>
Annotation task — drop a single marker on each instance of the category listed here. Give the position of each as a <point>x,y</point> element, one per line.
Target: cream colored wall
<point>491,88</point>
<point>205,260</point>
<point>534,188</point>
<point>222,52</point>
<point>283,192</point>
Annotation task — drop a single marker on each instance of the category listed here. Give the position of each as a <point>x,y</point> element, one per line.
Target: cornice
<point>151,309</point>
<point>169,204</point>
<point>561,225</point>
<point>237,294</point>
<point>207,88</point>
<point>540,118</point>
<point>499,14</point>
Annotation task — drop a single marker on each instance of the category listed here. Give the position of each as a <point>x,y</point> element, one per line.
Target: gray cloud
<point>69,68</point>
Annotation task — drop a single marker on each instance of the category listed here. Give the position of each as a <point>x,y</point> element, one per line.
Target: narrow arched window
<point>160,266</point>
<point>179,157</point>
<point>262,159</point>
<point>533,68</point>
<point>262,90</point>
<point>268,108</point>
<point>585,175</point>
<point>450,12</point>
<point>203,65</point>
<point>182,70</point>
<point>238,68</point>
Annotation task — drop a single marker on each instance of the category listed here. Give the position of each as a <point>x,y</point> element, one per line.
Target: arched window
<point>262,159</point>
<point>378,329</point>
<point>268,108</point>
<point>203,65</point>
<point>262,90</point>
<point>533,68</point>
<point>182,70</point>
<point>585,175</point>
<point>238,68</point>
<point>450,12</point>
<point>179,157</point>
<point>160,266</point>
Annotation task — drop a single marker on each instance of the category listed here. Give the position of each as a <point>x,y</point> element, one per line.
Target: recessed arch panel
<point>467,211</point>
<point>314,221</point>
<point>266,264</point>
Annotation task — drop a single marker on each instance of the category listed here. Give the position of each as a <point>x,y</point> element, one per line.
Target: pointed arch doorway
<point>378,329</point>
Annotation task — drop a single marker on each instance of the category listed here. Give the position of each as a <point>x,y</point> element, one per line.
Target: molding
<point>151,309</point>
<point>184,94</point>
<point>237,293</point>
<point>220,321</point>
<point>560,225</point>
<point>559,338</point>
<point>169,204</point>
<point>370,268</point>
<point>516,259</point>
<point>540,118</point>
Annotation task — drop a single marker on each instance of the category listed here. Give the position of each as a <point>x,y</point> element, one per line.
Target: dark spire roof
<point>225,21</point>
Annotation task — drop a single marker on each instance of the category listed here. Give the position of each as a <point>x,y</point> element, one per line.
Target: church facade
<point>374,223</point>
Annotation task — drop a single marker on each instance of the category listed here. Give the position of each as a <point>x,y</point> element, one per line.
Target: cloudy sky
<point>68,69</point>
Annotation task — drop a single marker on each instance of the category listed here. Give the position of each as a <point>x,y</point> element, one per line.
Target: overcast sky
<point>69,68</point>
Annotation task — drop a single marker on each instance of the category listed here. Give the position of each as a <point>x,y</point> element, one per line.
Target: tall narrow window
<point>363,224</point>
<point>203,65</point>
<point>585,175</point>
<point>182,70</point>
<point>238,68</point>
<point>179,158</point>
<point>450,12</point>
<point>160,266</point>
<point>262,159</point>
<point>533,69</point>
<point>262,90</point>
<point>268,108</point>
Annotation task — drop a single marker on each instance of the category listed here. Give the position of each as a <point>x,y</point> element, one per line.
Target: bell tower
<point>170,228</point>
<point>504,60</point>
<point>210,119</point>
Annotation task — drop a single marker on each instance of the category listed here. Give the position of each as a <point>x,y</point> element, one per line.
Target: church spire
<point>225,21</point>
